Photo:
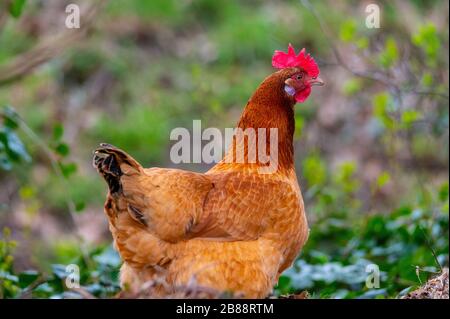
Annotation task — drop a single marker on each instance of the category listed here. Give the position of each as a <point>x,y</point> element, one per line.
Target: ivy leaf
<point>299,125</point>
<point>10,117</point>
<point>17,147</point>
<point>26,278</point>
<point>5,163</point>
<point>13,146</point>
<point>59,271</point>
<point>284,284</point>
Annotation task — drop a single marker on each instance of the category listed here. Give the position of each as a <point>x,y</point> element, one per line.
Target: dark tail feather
<point>108,160</point>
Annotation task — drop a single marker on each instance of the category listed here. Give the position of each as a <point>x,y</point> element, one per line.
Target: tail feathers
<point>112,163</point>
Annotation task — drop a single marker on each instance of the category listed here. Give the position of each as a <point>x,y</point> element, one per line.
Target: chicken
<point>234,228</point>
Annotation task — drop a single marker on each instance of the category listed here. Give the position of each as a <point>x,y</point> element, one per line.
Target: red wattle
<point>302,95</point>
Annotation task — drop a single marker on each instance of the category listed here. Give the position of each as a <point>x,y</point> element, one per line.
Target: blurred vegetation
<point>371,147</point>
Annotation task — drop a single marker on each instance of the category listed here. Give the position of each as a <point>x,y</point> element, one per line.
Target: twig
<point>427,241</point>
<point>383,79</point>
<point>418,274</point>
<point>29,290</point>
<point>339,59</point>
<point>48,48</point>
<point>439,94</point>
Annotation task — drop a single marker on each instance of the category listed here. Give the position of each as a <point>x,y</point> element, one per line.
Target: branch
<point>27,293</point>
<point>383,79</point>
<point>432,93</point>
<point>48,48</point>
<point>336,53</point>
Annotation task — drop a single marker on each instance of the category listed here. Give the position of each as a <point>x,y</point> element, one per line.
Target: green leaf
<point>27,192</point>
<point>383,179</point>
<point>373,293</point>
<point>443,192</point>
<point>409,117</point>
<point>428,40</point>
<point>45,289</point>
<point>58,131</point>
<point>6,232</point>
<point>314,170</point>
<point>5,163</point>
<point>299,124</point>
<point>284,284</point>
<point>427,79</point>
<point>109,257</point>
<point>345,177</point>
<point>59,271</point>
<point>79,206</point>
<point>16,8</point>
<point>10,117</point>
<point>352,86</point>
<point>62,149</point>
<point>8,276</point>
<point>362,43</point>
<point>13,146</point>
<point>390,55</point>
<point>26,278</point>
<point>348,30</point>
<point>380,103</point>
<point>68,169</point>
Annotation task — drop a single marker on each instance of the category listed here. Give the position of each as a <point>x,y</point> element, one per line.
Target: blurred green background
<point>371,146</point>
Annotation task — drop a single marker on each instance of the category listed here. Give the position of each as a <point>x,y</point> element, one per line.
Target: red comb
<point>281,60</point>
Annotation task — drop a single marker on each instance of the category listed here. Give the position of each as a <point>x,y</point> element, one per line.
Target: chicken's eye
<point>299,76</point>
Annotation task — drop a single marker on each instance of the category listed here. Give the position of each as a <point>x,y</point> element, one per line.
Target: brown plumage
<point>231,228</point>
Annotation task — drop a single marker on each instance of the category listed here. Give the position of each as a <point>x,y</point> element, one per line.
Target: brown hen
<point>232,228</point>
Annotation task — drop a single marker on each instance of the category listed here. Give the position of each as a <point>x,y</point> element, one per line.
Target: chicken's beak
<point>317,82</point>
